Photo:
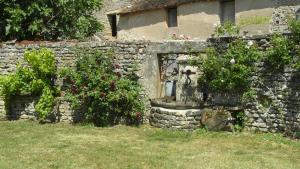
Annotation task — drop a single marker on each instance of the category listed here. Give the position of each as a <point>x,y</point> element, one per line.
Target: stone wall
<point>175,119</point>
<point>276,106</point>
<point>281,16</point>
<point>128,54</point>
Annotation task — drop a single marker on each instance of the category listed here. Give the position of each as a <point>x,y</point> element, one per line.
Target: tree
<point>48,19</point>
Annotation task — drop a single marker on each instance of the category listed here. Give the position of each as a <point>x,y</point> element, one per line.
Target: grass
<point>254,20</point>
<point>31,145</point>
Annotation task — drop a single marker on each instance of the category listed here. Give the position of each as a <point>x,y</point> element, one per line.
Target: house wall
<point>265,16</point>
<point>109,5</point>
<point>150,25</point>
<point>254,16</point>
<point>195,20</point>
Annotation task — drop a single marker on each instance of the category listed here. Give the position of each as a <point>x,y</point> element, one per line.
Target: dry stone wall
<point>275,108</point>
<point>128,54</point>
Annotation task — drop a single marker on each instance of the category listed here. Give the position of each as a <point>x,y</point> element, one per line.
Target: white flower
<point>232,61</point>
<point>181,36</point>
<point>222,81</point>
<point>250,43</point>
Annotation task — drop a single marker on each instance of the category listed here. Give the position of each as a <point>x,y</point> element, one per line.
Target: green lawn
<point>31,145</point>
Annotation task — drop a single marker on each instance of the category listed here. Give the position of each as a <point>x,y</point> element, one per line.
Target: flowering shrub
<point>98,88</point>
<point>230,70</point>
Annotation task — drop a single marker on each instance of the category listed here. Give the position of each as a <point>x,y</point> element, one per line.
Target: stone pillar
<point>2,109</point>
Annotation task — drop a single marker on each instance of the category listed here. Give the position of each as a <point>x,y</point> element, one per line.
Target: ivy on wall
<point>35,77</point>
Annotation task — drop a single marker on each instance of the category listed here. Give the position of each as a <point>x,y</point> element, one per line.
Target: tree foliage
<point>48,19</point>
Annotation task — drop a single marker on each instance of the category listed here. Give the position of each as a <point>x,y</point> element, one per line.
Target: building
<point>157,20</point>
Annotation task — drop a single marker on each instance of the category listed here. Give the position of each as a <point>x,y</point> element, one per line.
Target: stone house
<point>158,20</point>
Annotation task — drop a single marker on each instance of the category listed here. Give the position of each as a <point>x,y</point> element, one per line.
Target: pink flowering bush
<point>98,88</point>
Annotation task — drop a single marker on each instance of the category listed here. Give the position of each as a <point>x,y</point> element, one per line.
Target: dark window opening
<point>113,25</point>
<point>298,14</point>
<point>172,17</point>
<point>227,11</point>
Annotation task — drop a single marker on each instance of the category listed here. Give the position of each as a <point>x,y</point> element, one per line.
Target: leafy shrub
<point>48,19</point>
<point>294,26</point>
<point>230,70</point>
<point>34,77</point>
<point>279,54</point>
<point>98,85</point>
<point>227,29</point>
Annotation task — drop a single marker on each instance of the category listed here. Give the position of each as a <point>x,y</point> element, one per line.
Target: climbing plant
<point>231,70</point>
<point>48,19</point>
<point>228,70</point>
<point>35,76</point>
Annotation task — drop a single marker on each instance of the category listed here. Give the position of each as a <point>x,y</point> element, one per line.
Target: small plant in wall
<point>35,76</point>
<point>226,29</point>
<point>98,88</point>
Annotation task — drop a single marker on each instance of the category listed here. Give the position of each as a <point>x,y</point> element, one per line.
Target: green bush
<point>228,71</point>
<point>34,77</point>
<point>48,19</point>
<point>279,54</point>
<point>227,29</point>
<point>294,26</point>
<point>98,87</point>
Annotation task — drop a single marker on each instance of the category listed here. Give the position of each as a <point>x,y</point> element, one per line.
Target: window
<point>298,14</point>
<point>172,17</point>
<point>113,25</point>
<point>227,11</point>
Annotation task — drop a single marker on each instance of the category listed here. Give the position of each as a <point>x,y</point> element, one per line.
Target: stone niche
<point>181,105</point>
<point>178,79</point>
<point>23,108</point>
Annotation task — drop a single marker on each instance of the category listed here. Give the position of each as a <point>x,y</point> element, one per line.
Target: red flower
<point>74,89</point>
<point>119,74</point>
<point>113,86</point>
<point>138,115</point>
<point>117,66</point>
<point>102,95</point>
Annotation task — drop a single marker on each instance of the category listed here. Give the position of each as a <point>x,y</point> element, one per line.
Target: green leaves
<point>98,86</point>
<point>230,70</point>
<point>48,19</point>
<point>279,53</point>
<point>41,61</point>
<point>227,29</point>
<point>33,78</point>
<point>46,102</point>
